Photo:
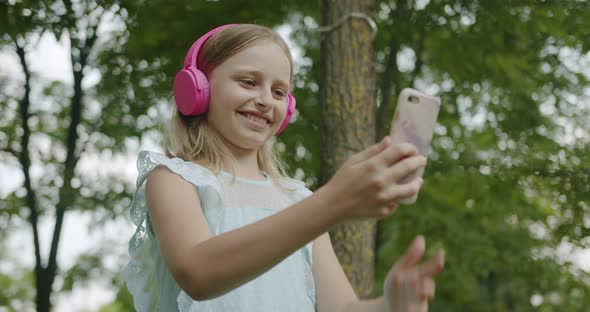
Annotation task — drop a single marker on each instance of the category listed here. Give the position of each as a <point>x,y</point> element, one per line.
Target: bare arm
<point>206,266</point>
<point>371,305</point>
<point>334,292</point>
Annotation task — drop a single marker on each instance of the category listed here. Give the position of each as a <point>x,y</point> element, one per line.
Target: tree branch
<point>24,158</point>
<point>66,197</point>
<point>419,58</point>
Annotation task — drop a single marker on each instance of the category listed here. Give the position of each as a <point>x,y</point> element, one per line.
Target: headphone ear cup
<point>191,91</point>
<point>291,103</point>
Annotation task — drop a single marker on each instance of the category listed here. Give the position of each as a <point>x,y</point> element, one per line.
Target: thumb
<point>413,254</point>
<point>370,151</point>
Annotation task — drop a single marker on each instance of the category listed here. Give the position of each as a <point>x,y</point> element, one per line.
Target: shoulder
<point>162,179</point>
<point>172,181</point>
<point>157,166</point>
<point>147,161</point>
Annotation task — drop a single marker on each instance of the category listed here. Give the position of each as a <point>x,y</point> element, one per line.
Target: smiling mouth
<point>254,118</point>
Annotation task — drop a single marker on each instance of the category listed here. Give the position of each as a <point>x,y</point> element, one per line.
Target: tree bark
<point>348,112</point>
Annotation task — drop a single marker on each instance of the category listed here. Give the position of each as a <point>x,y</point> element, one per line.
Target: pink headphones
<point>191,87</point>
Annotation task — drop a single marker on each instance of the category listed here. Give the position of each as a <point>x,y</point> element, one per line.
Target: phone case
<point>414,120</point>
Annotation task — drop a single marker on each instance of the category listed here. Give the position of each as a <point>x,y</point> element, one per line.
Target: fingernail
<point>420,237</point>
<point>441,255</point>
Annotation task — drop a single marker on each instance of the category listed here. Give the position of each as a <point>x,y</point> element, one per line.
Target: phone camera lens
<point>413,99</point>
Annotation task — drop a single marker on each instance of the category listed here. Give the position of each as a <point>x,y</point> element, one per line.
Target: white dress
<point>228,202</point>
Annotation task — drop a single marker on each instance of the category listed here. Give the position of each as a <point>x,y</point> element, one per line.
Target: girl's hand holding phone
<point>368,185</point>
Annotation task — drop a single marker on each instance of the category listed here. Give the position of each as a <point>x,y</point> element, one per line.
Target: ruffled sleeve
<point>206,182</point>
<point>145,275</point>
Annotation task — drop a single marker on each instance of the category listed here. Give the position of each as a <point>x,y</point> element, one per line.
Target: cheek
<point>282,111</point>
<point>218,112</point>
<point>220,101</point>
<point>229,95</point>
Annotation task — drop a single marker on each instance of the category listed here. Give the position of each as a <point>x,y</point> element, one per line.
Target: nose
<point>264,101</point>
<point>263,107</point>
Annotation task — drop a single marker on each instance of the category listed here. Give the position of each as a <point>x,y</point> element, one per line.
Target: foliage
<point>507,182</point>
<point>49,126</point>
<point>15,283</point>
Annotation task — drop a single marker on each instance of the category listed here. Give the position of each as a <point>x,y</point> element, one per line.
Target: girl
<point>219,225</point>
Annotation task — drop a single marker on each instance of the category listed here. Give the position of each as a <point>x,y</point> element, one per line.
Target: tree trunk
<point>44,285</point>
<point>348,108</point>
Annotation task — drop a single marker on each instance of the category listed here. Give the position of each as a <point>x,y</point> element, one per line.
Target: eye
<point>280,93</point>
<point>247,82</point>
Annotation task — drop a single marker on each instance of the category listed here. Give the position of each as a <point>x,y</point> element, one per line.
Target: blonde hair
<point>190,137</point>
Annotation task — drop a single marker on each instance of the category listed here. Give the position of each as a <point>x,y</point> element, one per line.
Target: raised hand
<point>368,185</point>
<point>409,286</point>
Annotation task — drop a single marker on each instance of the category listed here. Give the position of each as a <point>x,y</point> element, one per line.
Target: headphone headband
<point>192,54</point>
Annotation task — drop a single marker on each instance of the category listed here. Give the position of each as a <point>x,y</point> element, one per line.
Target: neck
<point>244,163</point>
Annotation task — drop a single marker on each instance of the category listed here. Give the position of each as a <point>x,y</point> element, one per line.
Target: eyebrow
<point>256,72</point>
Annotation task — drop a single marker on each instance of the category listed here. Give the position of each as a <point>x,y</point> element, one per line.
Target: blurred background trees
<point>506,189</point>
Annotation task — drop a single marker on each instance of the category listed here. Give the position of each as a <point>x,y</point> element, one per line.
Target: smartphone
<point>413,122</point>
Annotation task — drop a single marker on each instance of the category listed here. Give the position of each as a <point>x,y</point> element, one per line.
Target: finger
<point>387,210</point>
<point>396,152</point>
<point>428,288</point>
<point>418,306</point>
<point>434,266</point>
<point>370,151</point>
<point>397,192</point>
<point>406,166</point>
<point>412,255</point>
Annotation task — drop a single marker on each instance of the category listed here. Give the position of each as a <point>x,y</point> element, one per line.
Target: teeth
<point>255,118</point>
